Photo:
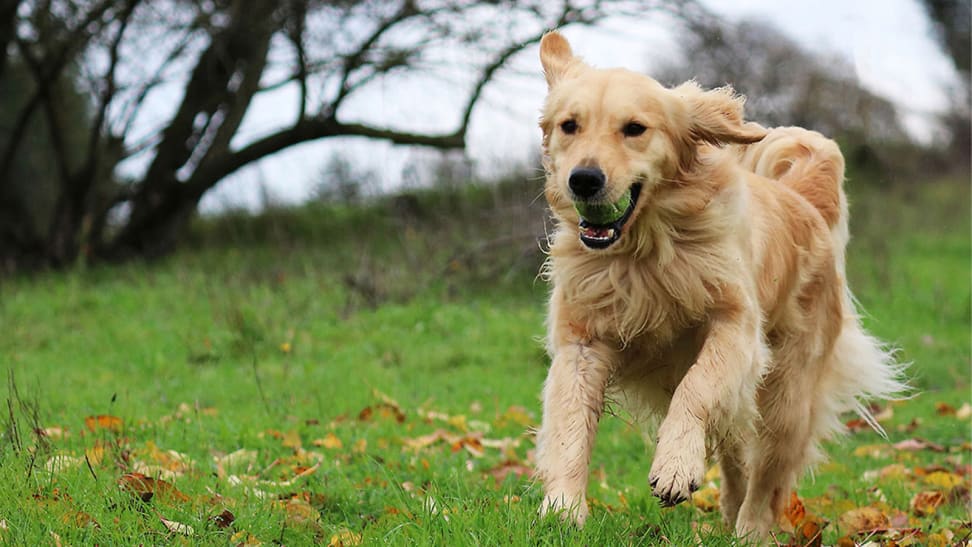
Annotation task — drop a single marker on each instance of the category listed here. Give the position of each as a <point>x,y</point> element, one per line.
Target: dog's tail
<point>812,166</point>
<point>862,369</point>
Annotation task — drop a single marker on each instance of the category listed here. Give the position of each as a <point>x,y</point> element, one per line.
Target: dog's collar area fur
<point>595,236</point>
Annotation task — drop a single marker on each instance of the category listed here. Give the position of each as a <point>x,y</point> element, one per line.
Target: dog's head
<point>612,137</point>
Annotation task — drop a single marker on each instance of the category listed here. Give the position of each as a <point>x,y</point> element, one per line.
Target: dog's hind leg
<point>732,464</point>
<point>573,399</point>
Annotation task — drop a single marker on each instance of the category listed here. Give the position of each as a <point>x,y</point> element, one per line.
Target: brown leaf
<point>103,421</point>
<point>795,512</point>
<point>944,409</point>
<point>383,410</point>
<point>510,467</point>
<point>925,503</point>
<point>146,488</point>
<point>916,444</point>
<point>863,520</point>
<point>224,519</point>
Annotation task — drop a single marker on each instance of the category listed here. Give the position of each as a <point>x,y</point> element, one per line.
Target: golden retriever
<point>697,270</point>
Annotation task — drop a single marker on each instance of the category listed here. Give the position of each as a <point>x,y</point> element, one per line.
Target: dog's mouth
<point>601,224</point>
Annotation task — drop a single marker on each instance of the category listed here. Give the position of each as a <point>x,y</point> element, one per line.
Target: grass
<point>370,379</point>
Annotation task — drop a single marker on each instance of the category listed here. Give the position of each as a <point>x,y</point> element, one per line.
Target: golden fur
<point>722,307</point>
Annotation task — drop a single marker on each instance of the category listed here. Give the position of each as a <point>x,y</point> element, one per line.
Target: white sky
<point>887,41</point>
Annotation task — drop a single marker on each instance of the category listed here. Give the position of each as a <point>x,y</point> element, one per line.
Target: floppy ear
<point>717,116</point>
<point>555,56</point>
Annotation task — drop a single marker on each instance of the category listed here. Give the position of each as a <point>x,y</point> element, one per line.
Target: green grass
<point>377,329</point>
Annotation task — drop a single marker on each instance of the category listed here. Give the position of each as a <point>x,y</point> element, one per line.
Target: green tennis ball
<point>601,214</point>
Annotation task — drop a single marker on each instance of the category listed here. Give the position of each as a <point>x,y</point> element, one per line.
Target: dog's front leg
<point>717,391</point>
<point>573,399</point>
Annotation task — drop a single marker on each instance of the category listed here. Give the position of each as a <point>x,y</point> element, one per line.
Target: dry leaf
<point>224,519</point>
<point>917,444</point>
<point>244,539</point>
<point>510,467</point>
<point>943,479</point>
<point>863,519</point>
<point>329,441</point>
<point>706,499</point>
<point>944,409</point>
<point>964,411</point>
<point>796,511</point>
<point>103,421</point>
<point>345,538</point>
<point>60,463</point>
<point>177,527</point>
<point>147,488</point>
<point>925,503</point>
<point>302,513</point>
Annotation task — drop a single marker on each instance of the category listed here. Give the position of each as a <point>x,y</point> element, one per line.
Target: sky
<point>888,42</point>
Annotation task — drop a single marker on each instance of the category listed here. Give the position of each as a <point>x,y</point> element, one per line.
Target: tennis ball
<point>601,214</point>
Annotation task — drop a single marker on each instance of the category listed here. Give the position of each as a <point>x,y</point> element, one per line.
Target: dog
<point>697,272</point>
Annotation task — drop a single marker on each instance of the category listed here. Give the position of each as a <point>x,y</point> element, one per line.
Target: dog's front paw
<point>568,508</point>
<point>679,466</point>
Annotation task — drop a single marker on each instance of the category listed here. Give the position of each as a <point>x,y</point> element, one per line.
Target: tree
<point>952,28</point>
<point>784,84</point>
<point>216,57</point>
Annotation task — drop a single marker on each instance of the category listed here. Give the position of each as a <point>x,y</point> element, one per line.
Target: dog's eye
<point>569,127</point>
<point>633,129</point>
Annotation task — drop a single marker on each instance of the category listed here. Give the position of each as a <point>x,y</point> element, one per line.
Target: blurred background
<point>134,128</point>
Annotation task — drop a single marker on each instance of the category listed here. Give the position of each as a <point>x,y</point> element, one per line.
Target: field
<point>371,375</point>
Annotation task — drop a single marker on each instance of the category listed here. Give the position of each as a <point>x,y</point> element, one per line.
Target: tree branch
<point>305,130</point>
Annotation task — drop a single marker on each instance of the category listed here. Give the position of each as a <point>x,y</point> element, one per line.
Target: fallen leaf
<point>146,488</point>
<point>224,519</point>
<point>796,511</point>
<point>871,451</point>
<point>103,421</point>
<point>706,499</point>
<point>244,539</point>
<point>944,409</point>
<point>863,519</point>
<point>302,513</point>
<point>383,410</point>
<point>917,444</point>
<point>507,468</point>
<point>345,538</point>
<point>53,432</point>
<point>943,479</point>
<point>925,503</point>
<point>60,463</point>
<point>329,441</point>
<point>177,527</point>
<point>964,411</point>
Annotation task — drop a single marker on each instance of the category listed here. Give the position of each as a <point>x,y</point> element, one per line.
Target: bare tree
<point>216,57</point>
<point>784,84</point>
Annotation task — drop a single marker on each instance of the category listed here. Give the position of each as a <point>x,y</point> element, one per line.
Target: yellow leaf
<point>291,439</point>
<point>329,441</point>
<point>345,538</point>
<point>244,539</point>
<point>706,499</point>
<point>943,480</point>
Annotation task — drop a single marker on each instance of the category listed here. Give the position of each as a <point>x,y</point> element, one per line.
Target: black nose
<point>584,182</point>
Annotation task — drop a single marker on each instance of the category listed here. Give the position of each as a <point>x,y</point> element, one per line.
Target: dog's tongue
<point>595,232</point>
